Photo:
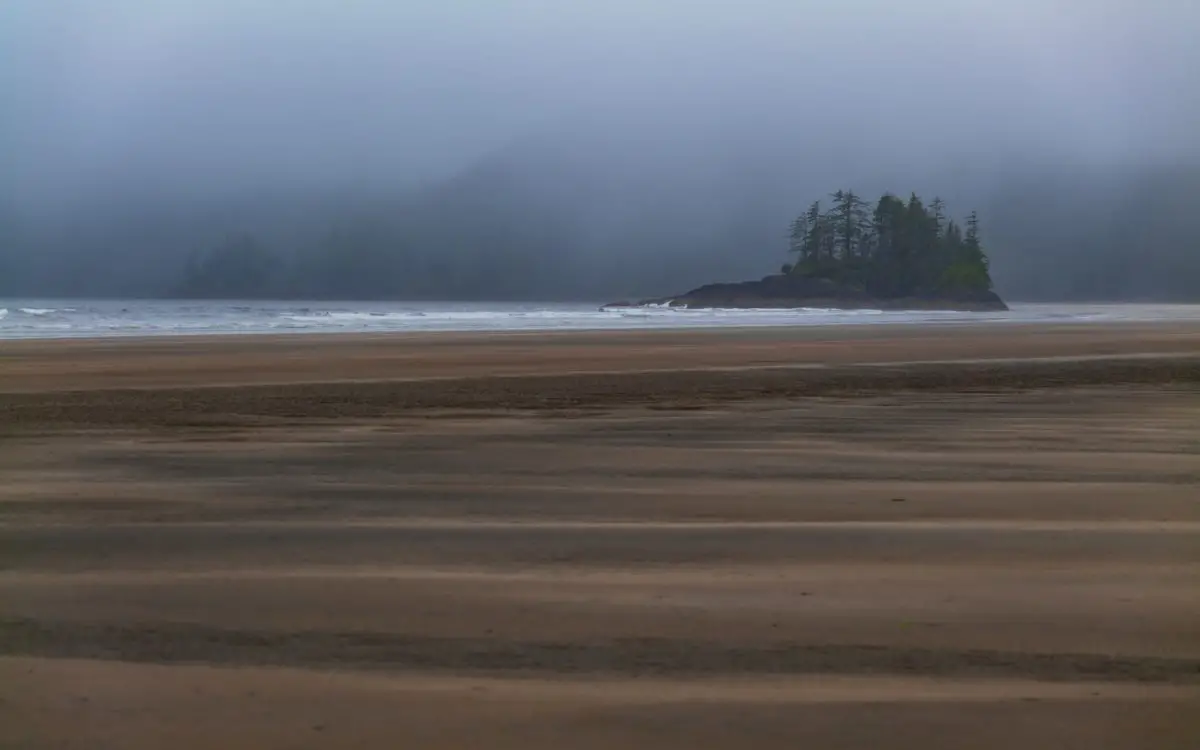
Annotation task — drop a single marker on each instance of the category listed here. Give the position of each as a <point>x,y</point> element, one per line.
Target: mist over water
<point>531,150</point>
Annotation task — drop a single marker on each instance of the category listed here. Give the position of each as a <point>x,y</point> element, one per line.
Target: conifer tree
<point>902,248</point>
<point>849,220</point>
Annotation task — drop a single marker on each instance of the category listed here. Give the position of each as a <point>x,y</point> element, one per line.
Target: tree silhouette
<point>902,248</point>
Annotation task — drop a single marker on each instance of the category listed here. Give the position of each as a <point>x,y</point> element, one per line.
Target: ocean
<point>44,319</point>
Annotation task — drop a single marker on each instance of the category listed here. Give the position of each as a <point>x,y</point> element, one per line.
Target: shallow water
<point>26,319</point>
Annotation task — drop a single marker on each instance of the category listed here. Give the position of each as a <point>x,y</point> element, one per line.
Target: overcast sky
<point>215,94</point>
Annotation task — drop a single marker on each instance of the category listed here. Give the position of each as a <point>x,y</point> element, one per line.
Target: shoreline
<point>83,321</point>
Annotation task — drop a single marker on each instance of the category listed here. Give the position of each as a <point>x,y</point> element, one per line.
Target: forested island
<point>898,255</point>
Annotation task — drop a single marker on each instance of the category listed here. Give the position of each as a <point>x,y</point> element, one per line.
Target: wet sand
<point>861,538</point>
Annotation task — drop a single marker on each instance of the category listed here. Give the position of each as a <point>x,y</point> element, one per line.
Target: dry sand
<point>853,538</point>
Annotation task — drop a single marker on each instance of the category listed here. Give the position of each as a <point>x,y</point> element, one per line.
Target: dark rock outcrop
<point>783,291</point>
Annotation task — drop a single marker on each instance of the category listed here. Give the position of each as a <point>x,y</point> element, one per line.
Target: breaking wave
<point>43,319</point>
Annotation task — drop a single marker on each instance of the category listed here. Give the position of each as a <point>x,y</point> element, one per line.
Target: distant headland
<point>902,255</point>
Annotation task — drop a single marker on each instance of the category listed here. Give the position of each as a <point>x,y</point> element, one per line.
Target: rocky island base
<point>790,291</point>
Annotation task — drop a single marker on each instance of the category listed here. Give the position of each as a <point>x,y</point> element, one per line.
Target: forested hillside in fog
<point>551,228</point>
<point>1120,235</point>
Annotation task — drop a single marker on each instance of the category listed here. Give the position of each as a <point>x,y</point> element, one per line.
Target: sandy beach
<point>855,537</point>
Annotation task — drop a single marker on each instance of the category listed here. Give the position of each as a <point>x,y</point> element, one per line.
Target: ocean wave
<point>41,312</point>
<point>330,317</point>
<point>27,318</point>
<point>375,317</point>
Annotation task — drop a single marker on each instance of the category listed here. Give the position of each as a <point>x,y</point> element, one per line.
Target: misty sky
<point>213,95</point>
